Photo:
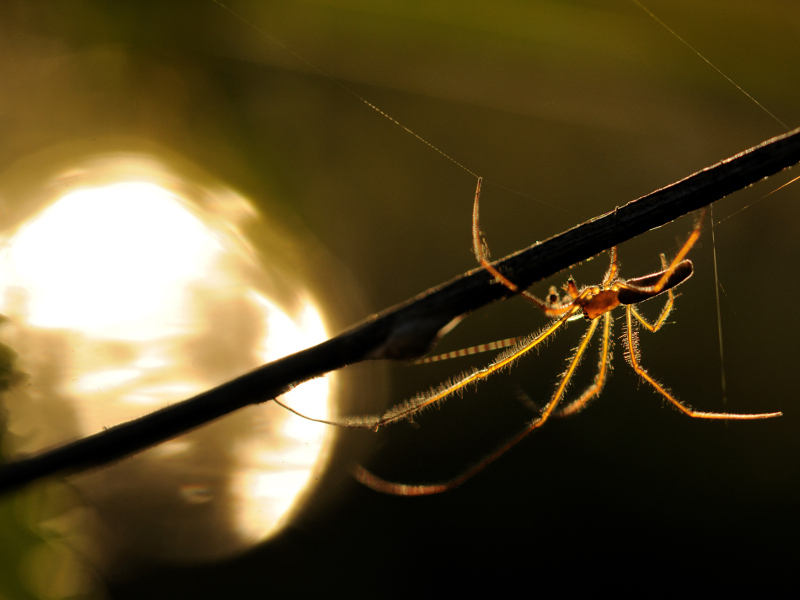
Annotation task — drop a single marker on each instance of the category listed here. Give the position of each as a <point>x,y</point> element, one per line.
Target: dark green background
<point>577,107</point>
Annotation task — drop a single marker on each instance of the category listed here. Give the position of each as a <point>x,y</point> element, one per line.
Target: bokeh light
<point>136,288</point>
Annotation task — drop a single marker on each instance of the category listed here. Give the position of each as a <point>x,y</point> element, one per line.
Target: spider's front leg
<point>552,307</point>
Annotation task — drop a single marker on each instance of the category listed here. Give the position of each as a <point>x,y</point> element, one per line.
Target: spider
<point>595,304</point>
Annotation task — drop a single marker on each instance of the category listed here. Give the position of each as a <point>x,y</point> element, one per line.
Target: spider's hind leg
<point>633,357</point>
<point>665,310</point>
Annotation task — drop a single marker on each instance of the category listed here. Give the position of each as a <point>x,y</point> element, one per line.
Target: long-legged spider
<point>593,302</point>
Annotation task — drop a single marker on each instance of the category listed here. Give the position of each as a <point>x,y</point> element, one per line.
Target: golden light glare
<point>112,261</point>
<point>125,296</point>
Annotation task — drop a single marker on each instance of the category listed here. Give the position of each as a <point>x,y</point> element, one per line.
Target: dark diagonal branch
<point>407,331</point>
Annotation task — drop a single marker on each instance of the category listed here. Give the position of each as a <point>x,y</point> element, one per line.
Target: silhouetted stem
<point>407,331</point>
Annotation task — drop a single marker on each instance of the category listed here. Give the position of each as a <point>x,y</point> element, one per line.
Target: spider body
<point>594,301</point>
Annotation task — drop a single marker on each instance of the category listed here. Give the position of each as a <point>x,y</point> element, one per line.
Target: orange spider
<point>593,302</point>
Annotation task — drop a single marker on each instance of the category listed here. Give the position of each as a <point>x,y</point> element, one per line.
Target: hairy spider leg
<point>632,356</point>
<point>594,389</point>
<point>552,308</point>
<point>409,408</point>
<point>665,310</point>
<point>403,489</point>
<point>603,366</point>
<point>496,345</point>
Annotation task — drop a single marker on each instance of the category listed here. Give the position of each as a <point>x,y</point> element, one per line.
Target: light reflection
<point>125,296</point>
<point>113,261</point>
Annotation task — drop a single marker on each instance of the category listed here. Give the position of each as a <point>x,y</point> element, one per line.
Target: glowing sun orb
<point>127,295</point>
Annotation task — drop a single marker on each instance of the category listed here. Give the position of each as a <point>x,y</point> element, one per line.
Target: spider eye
<point>552,296</point>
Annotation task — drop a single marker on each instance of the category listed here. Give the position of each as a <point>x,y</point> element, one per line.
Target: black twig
<point>408,330</point>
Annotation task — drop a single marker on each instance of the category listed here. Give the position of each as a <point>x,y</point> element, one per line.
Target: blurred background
<point>567,109</point>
